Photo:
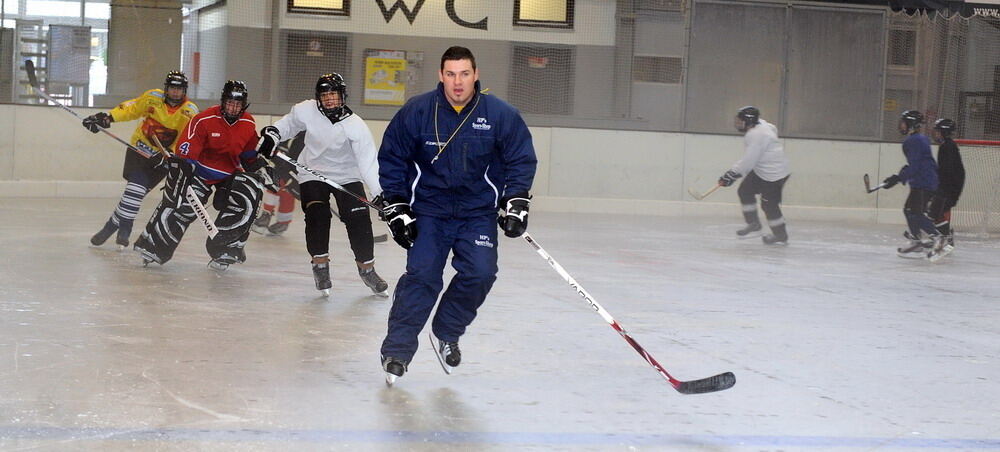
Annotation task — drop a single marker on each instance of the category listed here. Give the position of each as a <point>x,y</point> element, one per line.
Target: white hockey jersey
<point>763,153</point>
<point>343,152</point>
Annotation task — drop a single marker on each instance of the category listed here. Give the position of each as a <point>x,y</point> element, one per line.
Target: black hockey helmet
<point>945,126</point>
<point>750,116</point>
<point>174,79</point>
<point>912,119</point>
<point>234,90</point>
<point>329,83</point>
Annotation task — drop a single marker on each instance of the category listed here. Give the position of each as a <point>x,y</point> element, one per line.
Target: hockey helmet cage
<point>332,82</point>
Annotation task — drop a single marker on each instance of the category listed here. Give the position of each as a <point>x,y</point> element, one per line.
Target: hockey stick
<point>700,196</point>
<point>868,185</point>
<point>29,67</point>
<point>283,156</point>
<point>192,198</point>
<point>323,178</point>
<point>711,384</point>
<point>201,212</point>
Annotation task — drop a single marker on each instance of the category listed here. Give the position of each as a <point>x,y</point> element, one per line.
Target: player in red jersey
<point>216,150</point>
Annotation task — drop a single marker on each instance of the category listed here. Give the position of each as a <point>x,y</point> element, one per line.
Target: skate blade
<point>910,255</point>
<point>122,248</point>
<point>390,379</point>
<point>382,294</point>
<point>434,342</point>
<point>261,231</point>
<point>750,235</point>
<point>934,257</point>
<point>325,292</point>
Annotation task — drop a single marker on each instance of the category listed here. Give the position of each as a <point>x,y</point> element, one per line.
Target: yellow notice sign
<point>385,82</point>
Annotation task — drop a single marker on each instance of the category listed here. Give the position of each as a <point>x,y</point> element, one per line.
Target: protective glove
<point>269,139</point>
<point>514,219</point>
<point>266,177</point>
<point>729,178</point>
<point>402,223</point>
<point>101,119</point>
<point>891,181</point>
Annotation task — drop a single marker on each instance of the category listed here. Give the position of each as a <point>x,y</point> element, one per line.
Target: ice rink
<point>836,343</point>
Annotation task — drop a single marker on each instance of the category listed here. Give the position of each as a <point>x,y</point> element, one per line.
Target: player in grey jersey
<point>766,169</point>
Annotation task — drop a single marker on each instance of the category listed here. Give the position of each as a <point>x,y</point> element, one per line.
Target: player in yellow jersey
<point>163,114</point>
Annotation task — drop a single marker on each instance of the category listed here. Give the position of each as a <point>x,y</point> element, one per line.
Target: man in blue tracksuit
<point>921,173</point>
<point>450,158</point>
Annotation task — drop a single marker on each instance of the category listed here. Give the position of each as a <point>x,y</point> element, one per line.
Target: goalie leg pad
<point>237,199</point>
<point>167,225</point>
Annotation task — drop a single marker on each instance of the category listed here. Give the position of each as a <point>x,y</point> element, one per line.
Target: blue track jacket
<point>921,169</point>
<point>489,157</point>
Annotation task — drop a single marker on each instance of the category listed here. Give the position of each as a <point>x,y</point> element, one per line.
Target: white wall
<point>44,152</point>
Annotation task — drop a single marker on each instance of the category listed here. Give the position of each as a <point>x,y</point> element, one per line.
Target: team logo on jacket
<point>484,240</point>
<point>481,124</point>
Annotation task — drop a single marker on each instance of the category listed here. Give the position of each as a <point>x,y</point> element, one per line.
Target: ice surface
<point>836,343</point>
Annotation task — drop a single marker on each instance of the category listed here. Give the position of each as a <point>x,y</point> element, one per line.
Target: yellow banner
<point>385,82</point>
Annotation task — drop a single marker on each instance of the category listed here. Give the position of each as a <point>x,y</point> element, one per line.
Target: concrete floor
<point>836,343</point>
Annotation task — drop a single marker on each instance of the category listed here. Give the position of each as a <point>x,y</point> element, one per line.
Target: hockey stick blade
<point>719,382</point>
<point>695,194</point>
<point>700,196</point>
<point>868,185</point>
<point>711,384</point>
<point>29,67</point>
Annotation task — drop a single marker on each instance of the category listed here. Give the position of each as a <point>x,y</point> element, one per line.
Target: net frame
<point>977,213</point>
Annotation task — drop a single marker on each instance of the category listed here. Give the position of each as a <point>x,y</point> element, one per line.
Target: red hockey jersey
<point>217,148</point>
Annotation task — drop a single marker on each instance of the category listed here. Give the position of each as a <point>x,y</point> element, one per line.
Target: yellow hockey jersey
<point>158,118</point>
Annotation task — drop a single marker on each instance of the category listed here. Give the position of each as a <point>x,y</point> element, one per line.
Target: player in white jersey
<point>338,145</point>
<point>766,169</point>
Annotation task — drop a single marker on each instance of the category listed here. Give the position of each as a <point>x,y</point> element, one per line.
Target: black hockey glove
<point>891,181</point>
<point>101,119</point>
<point>402,223</point>
<point>269,139</point>
<point>514,219</point>
<point>729,178</point>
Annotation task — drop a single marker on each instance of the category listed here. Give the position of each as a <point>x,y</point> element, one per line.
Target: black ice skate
<point>394,368</point>
<point>447,353</point>
<point>752,227</point>
<point>124,231</point>
<point>775,239</point>
<point>260,224</point>
<point>374,282</point>
<point>914,248</point>
<point>147,257</point>
<point>949,245</point>
<point>219,265</point>
<point>102,236</point>
<point>936,252</point>
<point>277,228</point>
<point>321,274</point>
